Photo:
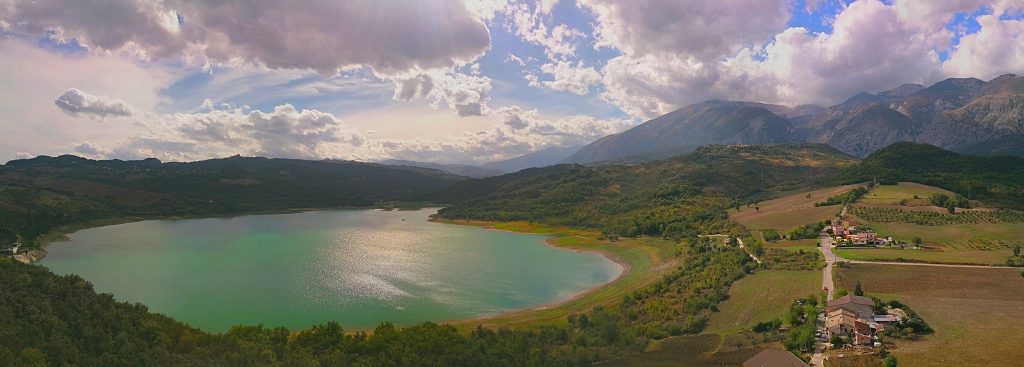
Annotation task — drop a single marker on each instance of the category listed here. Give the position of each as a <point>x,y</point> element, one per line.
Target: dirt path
<point>740,242</point>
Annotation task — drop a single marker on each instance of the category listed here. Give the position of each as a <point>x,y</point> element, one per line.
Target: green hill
<point>681,196</point>
<point>39,194</point>
<point>997,181</point>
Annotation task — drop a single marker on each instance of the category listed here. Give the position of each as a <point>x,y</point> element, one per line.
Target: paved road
<point>830,259</point>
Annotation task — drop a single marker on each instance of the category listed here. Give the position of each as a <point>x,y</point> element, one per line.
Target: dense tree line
<point>40,194</point>
<point>847,197</point>
<point>994,180</point>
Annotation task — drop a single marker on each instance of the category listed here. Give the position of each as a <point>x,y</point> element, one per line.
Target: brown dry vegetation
<point>975,312</point>
<point>791,211</point>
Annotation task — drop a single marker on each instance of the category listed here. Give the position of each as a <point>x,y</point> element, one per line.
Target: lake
<point>357,267</point>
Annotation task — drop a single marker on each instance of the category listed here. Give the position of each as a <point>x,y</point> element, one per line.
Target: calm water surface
<point>359,267</point>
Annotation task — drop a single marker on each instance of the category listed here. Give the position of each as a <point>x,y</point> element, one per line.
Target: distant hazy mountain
<point>683,130</point>
<point>960,114</point>
<point>540,158</point>
<point>456,169</point>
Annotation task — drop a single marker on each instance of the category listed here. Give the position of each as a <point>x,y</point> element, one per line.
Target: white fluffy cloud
<point>994,50</point>
<point>702,29</point>
<point>676,53</point>
<point>76,102</point>
<point>467,95</point>
<point>310,134</point>
<point>389,36</point>
<point>567,77</point>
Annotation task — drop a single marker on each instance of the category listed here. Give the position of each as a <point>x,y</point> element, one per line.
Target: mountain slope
<point>683,130</point>
<point>961,114</point>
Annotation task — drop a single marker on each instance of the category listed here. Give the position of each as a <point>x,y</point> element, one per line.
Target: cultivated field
<point>790,211</point>
<point>894,194</point>
<point>705,350</point>
<point>981,243</point>
<point>808,245</point>
<point>761,297</point>
<point>927,255</point>
<point>646,261</point>
<point>975,312</point>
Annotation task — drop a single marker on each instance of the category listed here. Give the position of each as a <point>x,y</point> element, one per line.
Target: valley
<point>682,297</point>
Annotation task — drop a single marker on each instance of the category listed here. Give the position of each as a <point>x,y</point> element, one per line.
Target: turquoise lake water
<point>358,267</point>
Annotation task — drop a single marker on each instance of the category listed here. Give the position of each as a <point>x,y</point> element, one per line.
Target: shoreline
<point>635,273</point>
<point>626,268</point>
<point>625,259</point>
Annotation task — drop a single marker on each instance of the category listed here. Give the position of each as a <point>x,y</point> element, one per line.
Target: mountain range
<point>964,115</point>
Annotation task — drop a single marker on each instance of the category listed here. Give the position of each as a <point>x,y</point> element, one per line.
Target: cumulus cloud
<point>90,150</point>
<point>466,94</point>
<point>989,52</point>
<point>389,36</point>
<point>697,28</point>
<point>76,102</point>
<point>567,77</point>
<point>559,42</point>
<point>520,131</point>
<point>288,132</point>
<point>744,50</point>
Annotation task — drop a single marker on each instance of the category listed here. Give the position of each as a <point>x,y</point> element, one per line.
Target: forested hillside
<point>39,194</point>
<point>678,197</point>
<point>998,181</point>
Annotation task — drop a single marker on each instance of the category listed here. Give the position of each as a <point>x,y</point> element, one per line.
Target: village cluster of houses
<point>853,317</point>
<point>845,234</point>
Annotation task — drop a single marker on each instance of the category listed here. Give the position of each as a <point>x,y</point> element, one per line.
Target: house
<point>863,307</point>
<point>840,322</point>
<point>852,317</point>
<point>864,238</point>
<point>774,358</point>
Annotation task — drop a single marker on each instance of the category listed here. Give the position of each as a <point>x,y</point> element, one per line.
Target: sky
<point>449,81</point>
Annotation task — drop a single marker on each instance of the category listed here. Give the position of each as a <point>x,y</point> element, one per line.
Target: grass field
<point>808,245</point>
<point>788,212</point>
<point>975,312</point>
<point>705,350</point>
<point>646,261</point>
<point>979,257</point>
<point>894,194</point>
<point>984,243</point>
<point>761,297</point>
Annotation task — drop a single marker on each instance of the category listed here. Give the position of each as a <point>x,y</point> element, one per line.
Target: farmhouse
<point>854,317</point>
<point>862,307</point>
<point>774,358</point>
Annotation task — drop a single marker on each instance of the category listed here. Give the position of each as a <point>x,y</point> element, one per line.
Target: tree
<point>951,208</point>
<point>857,290</point>
<point>1016,250</point>
<point>890,361</point>
<point>837,341</point>
<point>917,241</point>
